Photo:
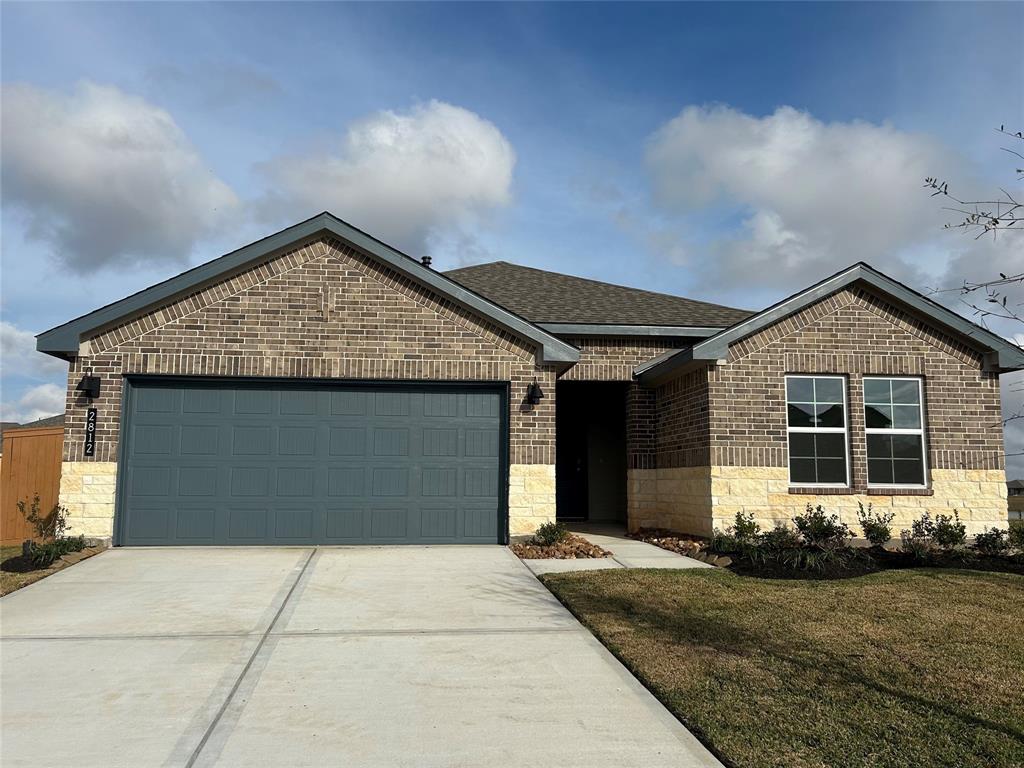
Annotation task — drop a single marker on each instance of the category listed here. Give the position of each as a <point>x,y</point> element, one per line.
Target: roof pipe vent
<point>425,261</point>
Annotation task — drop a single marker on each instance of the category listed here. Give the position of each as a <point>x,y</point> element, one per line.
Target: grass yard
<point>918,668</point>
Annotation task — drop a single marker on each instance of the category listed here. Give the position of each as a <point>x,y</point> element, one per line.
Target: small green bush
<point>821,530</point>
<point>1016,536</point>
<point>549,534</point>
<point>992,543</point>
<point>875,525</point>
<point>950,533</point>
<point>743,534</point>
<point>44,555</point>
<point>780,538</point>
<point>928,538</point>
<point>49,526</point>
<point>745,529</point>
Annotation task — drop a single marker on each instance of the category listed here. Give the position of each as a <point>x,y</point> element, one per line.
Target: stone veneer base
<point>87,490</point>
<point>531,497</point>
<point>698,500</point>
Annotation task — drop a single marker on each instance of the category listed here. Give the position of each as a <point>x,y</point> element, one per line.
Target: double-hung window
<point>816,427</point>
<point>894,422</point>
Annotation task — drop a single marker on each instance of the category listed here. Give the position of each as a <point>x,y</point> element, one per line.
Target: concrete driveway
<point>374,656</point>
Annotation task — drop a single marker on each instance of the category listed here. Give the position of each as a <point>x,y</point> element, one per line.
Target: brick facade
<point>698,448</point>
<point>319,310</point>
<point>730,419</point>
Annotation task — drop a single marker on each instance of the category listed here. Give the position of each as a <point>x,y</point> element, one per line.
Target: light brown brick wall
<point>613,359</point>
<point>320,310</point>
<point>854,333</point>
<point>736,417</point>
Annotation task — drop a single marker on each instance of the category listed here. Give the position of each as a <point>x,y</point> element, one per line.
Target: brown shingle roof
<point>551,297</point>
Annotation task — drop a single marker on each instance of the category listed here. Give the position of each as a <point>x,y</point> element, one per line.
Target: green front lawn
<point>902,668</point>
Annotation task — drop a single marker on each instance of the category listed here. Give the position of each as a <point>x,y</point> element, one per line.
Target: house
<point>320,386</point>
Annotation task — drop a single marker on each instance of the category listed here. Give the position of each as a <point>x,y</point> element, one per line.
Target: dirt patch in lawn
<point>573,548</point>
<point>919,668</point>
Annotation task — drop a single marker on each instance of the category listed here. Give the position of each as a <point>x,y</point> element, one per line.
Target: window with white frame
<point>816,427</point>
<point>894,423</point>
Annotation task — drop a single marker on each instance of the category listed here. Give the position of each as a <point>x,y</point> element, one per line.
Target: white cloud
<point>404,177</point>
<point>105,177</point>
<point>36,403</point>
<point>808,198</point>
<point>18,355</point>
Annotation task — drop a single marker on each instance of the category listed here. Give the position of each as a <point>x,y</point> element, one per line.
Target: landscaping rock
<point>573,548</point>
<point>723,561</point>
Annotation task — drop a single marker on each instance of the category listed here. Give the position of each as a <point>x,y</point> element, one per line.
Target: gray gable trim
<point>1005,356</point>
<point>63,341</point>
<point>600,329</point>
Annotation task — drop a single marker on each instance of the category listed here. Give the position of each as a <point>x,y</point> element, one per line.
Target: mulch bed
<point>868,560</point>
<point>573,548</point>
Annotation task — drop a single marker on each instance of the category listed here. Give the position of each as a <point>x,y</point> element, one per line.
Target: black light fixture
<point>89,386</point>
<point>534,394</point>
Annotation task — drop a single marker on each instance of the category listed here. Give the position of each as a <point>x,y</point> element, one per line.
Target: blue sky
<point>735,152</point>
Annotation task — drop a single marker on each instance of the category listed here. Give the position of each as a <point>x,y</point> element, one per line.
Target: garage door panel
<point>480,522</point>
<point>347,441</point>
<point>198,481</point>
<point>248,523</point>
<point>439,523</point>
<point>149,523</point>
<point>249,481</point>
<point>223,463</point>
<point>346,523</point>
<point>294,523</point>
<point>195,525</point>
<point>251,441</point>
<point>389,522</point>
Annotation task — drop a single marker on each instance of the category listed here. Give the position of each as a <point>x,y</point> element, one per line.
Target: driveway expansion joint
<point>248,665</point>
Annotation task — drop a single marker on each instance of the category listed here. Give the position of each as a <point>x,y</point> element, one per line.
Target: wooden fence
<point>30,466</point>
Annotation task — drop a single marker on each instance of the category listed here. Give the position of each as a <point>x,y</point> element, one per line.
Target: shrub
<point>875,525</point>
<point>48,526</point>
<point>43,555</point>
<point>927,538</point>
<point>950,533</point>
<point>779,538</point>
<point>992,542</point>
<point>821,530</point>
<point>1016,536</point>
<point>549,534</point>
<point>743,534</point>
<point>745,529</point>
<point>919,547</point>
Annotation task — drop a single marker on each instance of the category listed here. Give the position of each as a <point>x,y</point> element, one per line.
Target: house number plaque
<point>90,432</point>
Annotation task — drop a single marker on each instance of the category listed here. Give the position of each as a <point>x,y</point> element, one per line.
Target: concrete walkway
<point>626,553</point>
<point>390,656</point>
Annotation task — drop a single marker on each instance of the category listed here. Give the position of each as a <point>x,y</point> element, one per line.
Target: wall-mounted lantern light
<point>89,386</point>
<point>534,394</point>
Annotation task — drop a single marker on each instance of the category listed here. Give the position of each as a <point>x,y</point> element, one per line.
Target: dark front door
<point>222,462</point>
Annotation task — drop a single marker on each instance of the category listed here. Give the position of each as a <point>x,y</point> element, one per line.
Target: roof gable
<point>552,299</point>
<point>1004,355</point>
<point>64,340</point>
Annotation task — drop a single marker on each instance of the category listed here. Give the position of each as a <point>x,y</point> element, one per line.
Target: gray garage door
<point>231,463</point>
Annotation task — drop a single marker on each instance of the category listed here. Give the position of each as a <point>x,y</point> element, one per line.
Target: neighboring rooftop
<point>49,421</point>
<point>551,297</point>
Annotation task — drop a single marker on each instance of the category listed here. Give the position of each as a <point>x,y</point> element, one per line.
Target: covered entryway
<point>214,462</point>
<point>590,430</point>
